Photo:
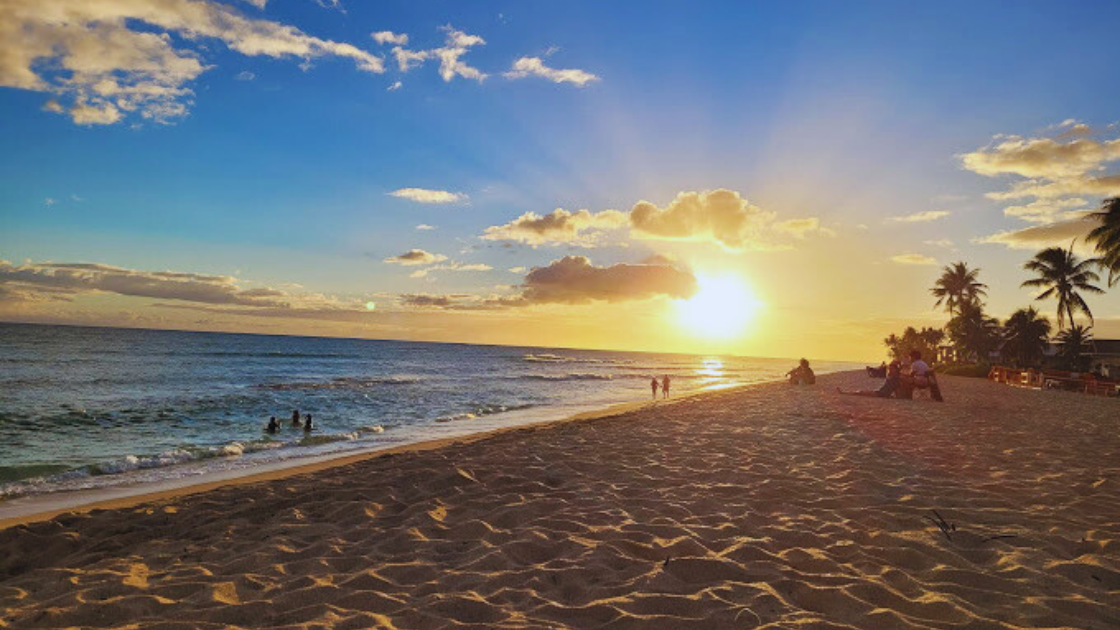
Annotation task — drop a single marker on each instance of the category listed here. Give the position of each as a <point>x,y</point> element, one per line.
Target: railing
<point>1085,383</point>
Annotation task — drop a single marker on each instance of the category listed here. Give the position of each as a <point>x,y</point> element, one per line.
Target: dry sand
<point>769,506</point>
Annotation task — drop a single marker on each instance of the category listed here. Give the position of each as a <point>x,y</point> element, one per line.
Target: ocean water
<point>85,408</point>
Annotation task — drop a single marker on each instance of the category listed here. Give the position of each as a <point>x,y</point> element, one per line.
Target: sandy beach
<point>767,506</point>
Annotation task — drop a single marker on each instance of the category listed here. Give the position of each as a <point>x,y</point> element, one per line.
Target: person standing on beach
<point>665,386</point>
<point>653,386</point>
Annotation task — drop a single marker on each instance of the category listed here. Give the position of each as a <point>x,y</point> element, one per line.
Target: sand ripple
<point>769,507</point>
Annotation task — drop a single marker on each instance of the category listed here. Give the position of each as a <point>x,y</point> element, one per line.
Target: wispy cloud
<point>108,60</point>
<point>920,217</point>
<point>426,195</point>
<point>450,56</point>
<point>914,259</point>
<point>423,227</point>
<point>1058,233</point>
<point>535,67</point>
<point>453,266</point>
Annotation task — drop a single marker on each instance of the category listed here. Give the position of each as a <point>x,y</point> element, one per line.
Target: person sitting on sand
<point>890,385</point>
<point>665,386</point>
<point>919,369</point>
<point>295,418</point>
<point>802,374</point>
<point>273,425</point>
<point>308,426</point>
<point>653,386</point>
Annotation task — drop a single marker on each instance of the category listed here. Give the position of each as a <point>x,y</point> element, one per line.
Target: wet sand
<point>767,506</point>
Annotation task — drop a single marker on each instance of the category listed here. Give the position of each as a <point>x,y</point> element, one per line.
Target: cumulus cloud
<point>914,259</point>
<point>721,215</point>
<point>1057,233</point>
<point>414,257</point>
<point>575,280</point>
<point>450,56</point>
<point>920,217</point>
<point>108,60</point>
<point>389,37</point>
<point>425,195</point>
<point>557,227</point>
<point>535,67</point>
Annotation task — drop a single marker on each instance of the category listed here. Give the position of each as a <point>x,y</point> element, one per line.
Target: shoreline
<point>46,506</point>
<point>764,505</point>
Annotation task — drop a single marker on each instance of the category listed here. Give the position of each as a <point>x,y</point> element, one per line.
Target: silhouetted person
<point>295,419</point>
<point>653,386</point>
<point>665,386</point>
<point>273,425</point>
<point>802,374</point>
<point>308,426</point>
<point>890,385</point>
<point>879,372</point>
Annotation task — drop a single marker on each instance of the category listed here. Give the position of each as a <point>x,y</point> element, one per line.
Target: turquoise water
<point>92,407</point>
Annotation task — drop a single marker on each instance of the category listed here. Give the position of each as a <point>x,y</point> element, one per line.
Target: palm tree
<point>958,285</point>
<point>1063,275</point>
<point>1106,237</point>
<point>1025,336</point>
<point>1075,340</point>
<point>973,331</point>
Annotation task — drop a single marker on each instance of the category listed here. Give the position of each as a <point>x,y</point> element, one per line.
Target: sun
<point>722,308</point>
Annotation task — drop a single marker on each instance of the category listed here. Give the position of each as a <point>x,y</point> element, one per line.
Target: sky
<point>762,179</point>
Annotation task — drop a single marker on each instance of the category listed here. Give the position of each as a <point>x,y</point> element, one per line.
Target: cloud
<point>1103,186</point>
<point>108,60</point>
<point>49,281</point>
<point>920,217</point>
<point>1047,210</point>
<point>914,259</point>
<point>517,270</point>
<point>456,44</point>
<point>574,280</point>
<point>389,37</point>
<point>424,195</point>
<point>721,215</point>
<point>396,85</point>
<point>800,228</point>
<point>558,227</point>
<point>415,257</point>
<point>424,227</point>
<point>453,266</point>
<point>535,67</point>
<point>1048,158</point>
<point>1058,233</point>
<point>245,75</point>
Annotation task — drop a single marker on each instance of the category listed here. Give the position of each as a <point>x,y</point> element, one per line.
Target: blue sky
<point>849,113</point>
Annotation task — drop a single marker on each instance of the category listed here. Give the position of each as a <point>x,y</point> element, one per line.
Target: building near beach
<point>1105,357</point>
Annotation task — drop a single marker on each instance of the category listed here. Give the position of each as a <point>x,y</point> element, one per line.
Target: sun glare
<point>723,308</point>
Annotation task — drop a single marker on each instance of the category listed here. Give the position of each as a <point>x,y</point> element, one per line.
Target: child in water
<point>295,419</point>
<point>308,426</point>
<point>273,425</point>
